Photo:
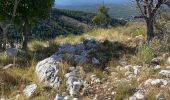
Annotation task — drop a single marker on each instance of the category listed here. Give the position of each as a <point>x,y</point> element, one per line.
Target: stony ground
<point>103,65</point>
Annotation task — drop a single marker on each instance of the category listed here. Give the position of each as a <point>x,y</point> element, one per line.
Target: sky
<point>87,2</point>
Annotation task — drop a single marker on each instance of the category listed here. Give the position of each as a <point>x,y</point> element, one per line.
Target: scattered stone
<point>8,66</point>
<point>11,52</point>
<point>156,61</point>
<point>67,98</point>
<point>59,97</point>
<point>160,96</point>
<point>139,95</point>
<point>136,70</point>
<point>165,73</point>
<point>132,98</point>
<point>29,90</point>
<point>95,61</point>
<point>157,67</point>
<point>156,82</point>
<point>17,97</point>
<point>168,67</point>
<point>113,93</point>
<point>73,83</point>
<point>72,69</point>
<point>128,67</point>
<point>75,99</point>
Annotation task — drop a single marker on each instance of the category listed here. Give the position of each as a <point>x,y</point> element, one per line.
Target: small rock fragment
<point>30,89</point>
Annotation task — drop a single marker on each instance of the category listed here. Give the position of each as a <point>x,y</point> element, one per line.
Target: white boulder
<point>47,71</point>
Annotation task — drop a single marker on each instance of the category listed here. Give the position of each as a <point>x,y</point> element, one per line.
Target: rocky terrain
<point>105,64</point>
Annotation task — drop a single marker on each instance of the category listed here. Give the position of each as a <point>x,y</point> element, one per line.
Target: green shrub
<point>147,52</point>
<point>125,90</point>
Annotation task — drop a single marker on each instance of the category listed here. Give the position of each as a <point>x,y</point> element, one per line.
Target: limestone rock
<point>67,48</point>
<point>59,97</point>
<point>132,98</point>
<point>30,89</point>
<point>160,96</point>
<point>139,95</point>
<point>95,61</point>
<point>80,59</point>
<point>47,71</point>
<point>136,69</point>
<point>67,98</point>
<point>73,83</point>
<point>156,82</point>
<point>165,73</point>
<point>156,61</point>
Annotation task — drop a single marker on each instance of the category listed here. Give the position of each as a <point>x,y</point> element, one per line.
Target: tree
<point>24,13</point>
<point>103,18</point>
<point>148,10</point>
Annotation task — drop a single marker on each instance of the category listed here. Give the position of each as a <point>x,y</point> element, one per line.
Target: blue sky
<point>87,2</point>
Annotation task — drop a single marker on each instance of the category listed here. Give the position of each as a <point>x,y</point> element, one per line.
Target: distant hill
<point>62,22</point>
<point>125,10</point>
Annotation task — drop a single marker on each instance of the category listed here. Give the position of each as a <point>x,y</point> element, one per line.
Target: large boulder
<point>47,71</point>
<point>80,59</point>
<point>67,48</point>
<point>29,90</point>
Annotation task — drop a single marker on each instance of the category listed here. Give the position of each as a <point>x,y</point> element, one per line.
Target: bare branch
<point>159,3</point>
<point>140,8</point>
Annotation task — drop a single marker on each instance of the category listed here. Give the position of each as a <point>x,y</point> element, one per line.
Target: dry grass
<point>18,77</point>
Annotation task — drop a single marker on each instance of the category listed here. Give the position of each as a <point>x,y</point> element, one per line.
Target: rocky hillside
<point>103,64</point>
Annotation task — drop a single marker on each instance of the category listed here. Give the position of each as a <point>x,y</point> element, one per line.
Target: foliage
<point>26,9</point>
<point>147,52</point>
<point>103,18</point>
<point>24,13</point>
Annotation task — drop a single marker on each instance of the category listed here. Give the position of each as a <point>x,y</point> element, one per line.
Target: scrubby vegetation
<point>116,40</point>
<point>68,57</point>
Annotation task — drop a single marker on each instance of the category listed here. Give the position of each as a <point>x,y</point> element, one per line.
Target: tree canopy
<point>103,18</point>
<point>26,9</point>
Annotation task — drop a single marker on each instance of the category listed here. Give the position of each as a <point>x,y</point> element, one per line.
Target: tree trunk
<point>150,30</point>
<point>25,36</point>
<point>4,38</point>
